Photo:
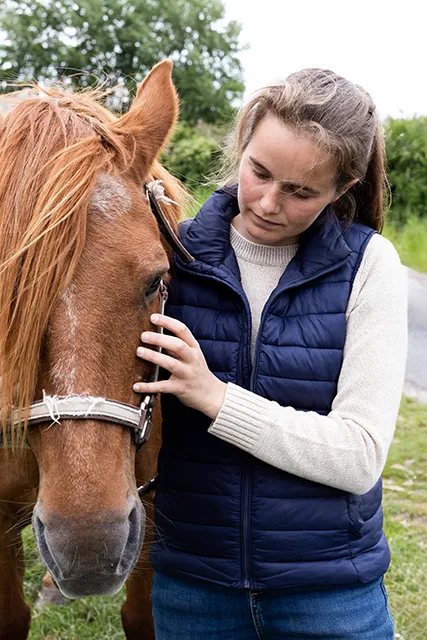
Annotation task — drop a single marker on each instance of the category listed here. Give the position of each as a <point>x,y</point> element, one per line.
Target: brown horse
<point>81,257</point>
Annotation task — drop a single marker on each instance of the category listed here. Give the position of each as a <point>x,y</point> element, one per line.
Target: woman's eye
<point>300,196</point>
<point>153,288</point>
<point>261,176</point>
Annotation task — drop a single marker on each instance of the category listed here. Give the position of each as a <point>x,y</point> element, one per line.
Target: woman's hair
<point>339,116</point>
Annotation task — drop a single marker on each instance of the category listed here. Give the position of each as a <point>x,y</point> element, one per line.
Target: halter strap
<point>155,194</point>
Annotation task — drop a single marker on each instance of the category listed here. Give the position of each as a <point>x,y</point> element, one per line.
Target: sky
<point>379,44</point>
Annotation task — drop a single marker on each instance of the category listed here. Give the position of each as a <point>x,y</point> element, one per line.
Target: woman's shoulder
<point>380,253</point>
<point>380,277</point>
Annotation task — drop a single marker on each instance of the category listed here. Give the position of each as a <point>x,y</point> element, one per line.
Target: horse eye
<point>153,288</point>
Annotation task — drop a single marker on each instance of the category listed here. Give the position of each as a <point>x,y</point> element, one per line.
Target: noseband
<point>54,409</point>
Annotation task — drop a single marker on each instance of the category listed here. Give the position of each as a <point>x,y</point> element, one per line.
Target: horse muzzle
<point>90,554</point>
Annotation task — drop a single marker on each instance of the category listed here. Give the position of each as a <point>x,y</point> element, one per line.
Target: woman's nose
<point>271,200</point>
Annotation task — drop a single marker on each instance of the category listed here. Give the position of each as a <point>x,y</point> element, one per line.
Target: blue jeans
<point>196,610</point>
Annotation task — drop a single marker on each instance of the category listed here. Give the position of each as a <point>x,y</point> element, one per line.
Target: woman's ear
<point>344,189</point>
<point>151,117</point>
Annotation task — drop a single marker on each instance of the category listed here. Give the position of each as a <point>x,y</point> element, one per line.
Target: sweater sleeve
<point>346,449</point>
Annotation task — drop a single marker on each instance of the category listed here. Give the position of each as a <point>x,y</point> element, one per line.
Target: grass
<point>405,508</point>
<point>200,195</point>
<point>410,241</point>
<point>88,619</point>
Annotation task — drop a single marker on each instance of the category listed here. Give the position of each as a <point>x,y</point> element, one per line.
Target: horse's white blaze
<point>110,197</point>
<point>64,370</point>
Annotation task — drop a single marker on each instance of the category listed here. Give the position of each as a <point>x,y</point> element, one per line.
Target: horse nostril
<point>135,522</point>
<point>39,529</point>
<point>38,525</point>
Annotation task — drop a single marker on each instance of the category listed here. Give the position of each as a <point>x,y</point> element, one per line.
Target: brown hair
<point>342,118</point>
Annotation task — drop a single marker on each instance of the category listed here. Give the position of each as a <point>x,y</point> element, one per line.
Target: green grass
<point>410,241</point>
<point>200,195</point>
<point>405,509</point>
<point>88,619</point>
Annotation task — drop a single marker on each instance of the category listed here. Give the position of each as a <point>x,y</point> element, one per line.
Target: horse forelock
<point>58,152</point>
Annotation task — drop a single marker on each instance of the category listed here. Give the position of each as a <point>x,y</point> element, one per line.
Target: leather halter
<point>54,409</point>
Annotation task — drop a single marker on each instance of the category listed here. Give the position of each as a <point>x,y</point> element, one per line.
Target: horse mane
<point>53,147</point>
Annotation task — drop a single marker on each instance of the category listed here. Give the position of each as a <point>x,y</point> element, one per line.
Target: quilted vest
<point>222,515</point>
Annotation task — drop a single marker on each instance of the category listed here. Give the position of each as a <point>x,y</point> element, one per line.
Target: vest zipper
<point>247,466</point>
<point>240,379</point>
<point>245,520</point>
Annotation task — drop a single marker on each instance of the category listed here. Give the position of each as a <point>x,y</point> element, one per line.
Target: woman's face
<point>284,184</point>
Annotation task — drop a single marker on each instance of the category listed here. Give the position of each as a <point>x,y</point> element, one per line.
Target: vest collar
<point>207,237</point>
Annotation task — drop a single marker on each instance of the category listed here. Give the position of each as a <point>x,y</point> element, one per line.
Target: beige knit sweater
<point>347,448</point>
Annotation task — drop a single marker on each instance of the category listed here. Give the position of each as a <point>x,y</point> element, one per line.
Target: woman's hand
<point>190,380</point>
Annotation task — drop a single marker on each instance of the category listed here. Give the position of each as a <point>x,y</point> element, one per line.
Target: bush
<point>406,144</point>
<point>193,154</point>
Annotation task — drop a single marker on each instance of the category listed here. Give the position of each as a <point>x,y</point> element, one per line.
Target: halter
<point>54,409</point>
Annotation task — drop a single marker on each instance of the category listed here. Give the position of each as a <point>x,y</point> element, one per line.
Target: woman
<point>287,360</point>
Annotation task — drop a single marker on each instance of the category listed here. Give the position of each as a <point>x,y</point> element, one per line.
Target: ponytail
<point>368,200</point>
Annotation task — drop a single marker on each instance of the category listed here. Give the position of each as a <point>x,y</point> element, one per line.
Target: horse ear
<point>151,117</point>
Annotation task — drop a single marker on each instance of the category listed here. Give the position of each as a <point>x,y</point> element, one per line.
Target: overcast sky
<point>379,44</point>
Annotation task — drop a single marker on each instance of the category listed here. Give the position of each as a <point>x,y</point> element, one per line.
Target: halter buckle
<point>142,432</point>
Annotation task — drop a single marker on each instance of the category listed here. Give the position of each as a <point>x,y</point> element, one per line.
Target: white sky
<point>379,44</point>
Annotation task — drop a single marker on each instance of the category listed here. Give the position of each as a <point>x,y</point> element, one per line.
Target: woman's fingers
<point>175,326</point>
<point>162,386</point>
<point>166,362</point>
<point>174,345</point>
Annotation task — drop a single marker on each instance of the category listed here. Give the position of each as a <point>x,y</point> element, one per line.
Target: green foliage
<point>193,154</point>
<point>200,195</point>
<point>406,143</point>
<point>123,40</point>
<point>409,239</point>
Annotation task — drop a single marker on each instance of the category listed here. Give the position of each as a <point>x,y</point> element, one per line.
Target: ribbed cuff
<point>240,418</point>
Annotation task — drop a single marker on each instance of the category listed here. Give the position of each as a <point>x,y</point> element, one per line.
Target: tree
<point>123,39</point>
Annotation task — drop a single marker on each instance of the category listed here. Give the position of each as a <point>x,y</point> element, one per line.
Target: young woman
<point>286,349</point>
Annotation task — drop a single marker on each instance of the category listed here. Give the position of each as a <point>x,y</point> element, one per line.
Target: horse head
<point>81,259</point>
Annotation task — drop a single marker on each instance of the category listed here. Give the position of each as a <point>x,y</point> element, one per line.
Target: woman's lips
<point>263,222</point>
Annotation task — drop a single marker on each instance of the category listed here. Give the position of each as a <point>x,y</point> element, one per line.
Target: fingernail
<point>145,336</point>
<point>136,387</point>
<point>140,351</point>
<point>154,317</point>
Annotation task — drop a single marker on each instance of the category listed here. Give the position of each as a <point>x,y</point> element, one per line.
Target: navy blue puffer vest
<point>223,515</point>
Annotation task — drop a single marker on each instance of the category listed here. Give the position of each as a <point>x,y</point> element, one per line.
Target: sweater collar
<point>207,238</point>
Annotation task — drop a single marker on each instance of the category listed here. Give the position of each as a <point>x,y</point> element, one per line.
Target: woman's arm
<point>347,448</point>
